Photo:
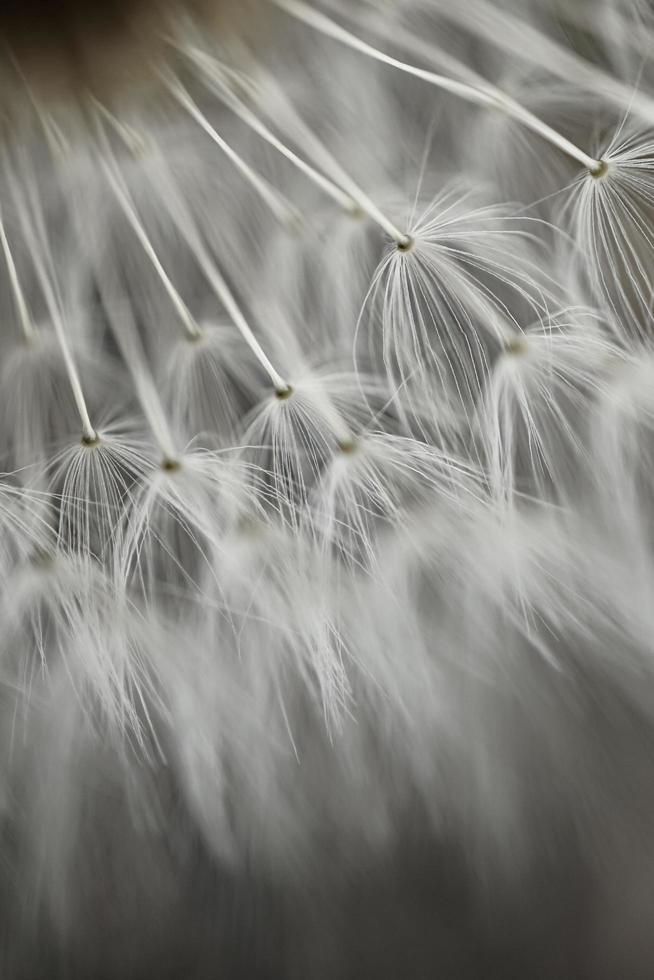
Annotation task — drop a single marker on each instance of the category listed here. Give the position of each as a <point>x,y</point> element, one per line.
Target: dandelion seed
<point>95,482</point>
<point>613,221</point>
<point>380,479</point>
<point>211,384</point>
<point>534,409</point>
<point>304,426</point>
<point>174,526</point>
<point>440,305</point>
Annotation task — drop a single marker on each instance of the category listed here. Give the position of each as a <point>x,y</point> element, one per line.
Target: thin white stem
<point>19,297</point>
<point>121,318</point>
<point>304,134</point>
<point>50,294</point>
<point>487,96</point>
<point>520,39</point>
<point>530,121</point>
<point>216,81</point>
<point>282,211</point>
<point>391,30</point>
<point>120,193</point>
<point>130,137</point>
<point>88,431</point>
<point>185,225</point>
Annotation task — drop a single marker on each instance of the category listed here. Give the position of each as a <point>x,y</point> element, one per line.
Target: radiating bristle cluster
<point>327,442</point>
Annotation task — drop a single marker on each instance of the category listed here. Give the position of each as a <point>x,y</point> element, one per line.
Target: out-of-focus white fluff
<point>362,525</point>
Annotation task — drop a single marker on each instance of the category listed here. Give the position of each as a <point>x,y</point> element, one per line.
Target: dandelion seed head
<point>326,454</point>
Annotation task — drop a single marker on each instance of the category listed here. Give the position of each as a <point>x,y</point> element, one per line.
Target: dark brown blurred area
<point>420,912</point>
<point>61,47</point>
<point>24,22</point>
<point>64,48</point>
